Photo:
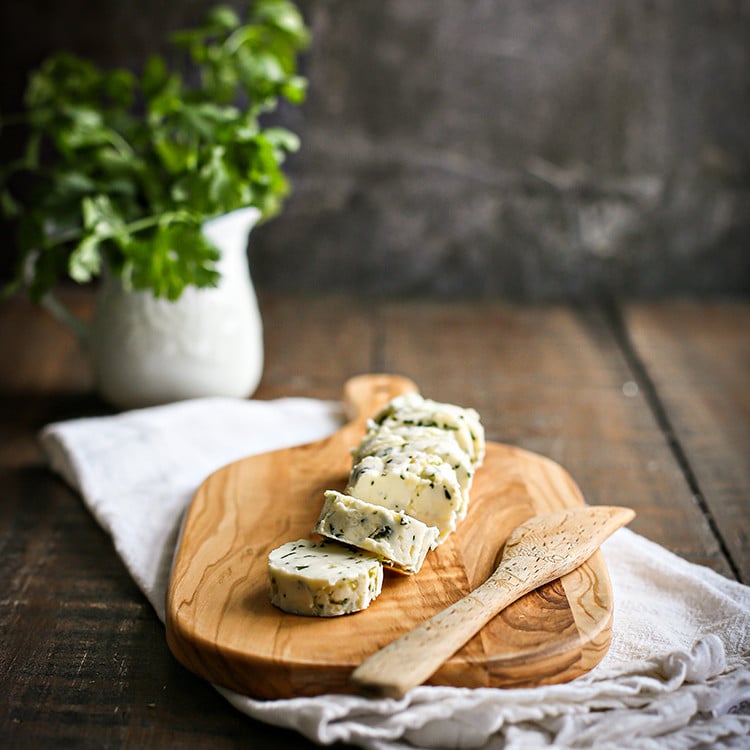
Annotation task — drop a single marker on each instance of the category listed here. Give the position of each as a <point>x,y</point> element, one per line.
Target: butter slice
<point>400,541</point>
<point>323,578</point>
<point>412,410</point>
<point>420,485</point>
<point>387,441</point>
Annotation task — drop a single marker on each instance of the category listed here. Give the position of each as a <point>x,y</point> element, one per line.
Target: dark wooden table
<point>647,405</point>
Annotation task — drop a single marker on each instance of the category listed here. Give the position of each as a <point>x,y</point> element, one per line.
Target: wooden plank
<point>41,354</point>
<point>44,377</point>
<point>697,355</point>
<point>314,344</point>
<point>554,380</point>
<point>84,661</point>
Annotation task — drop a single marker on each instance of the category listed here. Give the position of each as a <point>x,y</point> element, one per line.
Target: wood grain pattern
<point>555,380</point>
<point>221,624</point>
<point>697,356</point>
<point>537,552</point>
<point>85,663</point>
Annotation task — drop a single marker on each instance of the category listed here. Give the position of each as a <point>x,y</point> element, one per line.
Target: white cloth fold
<point>677,669</point>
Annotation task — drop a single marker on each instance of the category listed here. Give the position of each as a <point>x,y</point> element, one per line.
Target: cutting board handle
<point>366,394</point>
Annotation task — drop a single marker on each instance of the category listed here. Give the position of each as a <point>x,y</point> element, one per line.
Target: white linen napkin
<point>677,669</point>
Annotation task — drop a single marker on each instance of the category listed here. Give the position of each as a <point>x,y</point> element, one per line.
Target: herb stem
<point>137,225</point>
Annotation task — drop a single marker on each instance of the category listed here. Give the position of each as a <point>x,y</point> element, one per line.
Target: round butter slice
<point>323,579</point>
<point>383,442</point>
<point>400,541</point>
<point>418,484</point>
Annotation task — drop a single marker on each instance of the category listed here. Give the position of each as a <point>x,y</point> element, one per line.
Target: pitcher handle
<point>79,328</point>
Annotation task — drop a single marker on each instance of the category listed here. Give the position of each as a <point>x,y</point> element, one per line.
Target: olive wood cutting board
<point>222,626</point>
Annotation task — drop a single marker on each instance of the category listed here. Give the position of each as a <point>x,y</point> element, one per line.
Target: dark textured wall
<point>538,149</point>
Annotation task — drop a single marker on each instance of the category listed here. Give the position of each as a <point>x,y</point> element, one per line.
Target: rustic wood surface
<point>221,624</point>
<point>545,547</point>
<point>644,404</point>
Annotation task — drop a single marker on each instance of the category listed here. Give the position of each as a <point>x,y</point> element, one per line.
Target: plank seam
<point>616,319</point>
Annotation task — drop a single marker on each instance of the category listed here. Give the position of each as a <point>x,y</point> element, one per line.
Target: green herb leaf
<point>85,261</point>
<point>133,165</point>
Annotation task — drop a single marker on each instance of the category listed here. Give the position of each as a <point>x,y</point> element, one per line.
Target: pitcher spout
<point>229,232</point>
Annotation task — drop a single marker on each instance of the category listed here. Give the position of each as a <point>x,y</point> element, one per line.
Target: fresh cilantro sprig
<point>123,169</point>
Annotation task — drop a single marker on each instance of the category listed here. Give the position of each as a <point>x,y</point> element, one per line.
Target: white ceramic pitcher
<point>209,342</point>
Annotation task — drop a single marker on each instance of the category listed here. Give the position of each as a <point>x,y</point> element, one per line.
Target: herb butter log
<point>400,541</point>
<point>323,578</point>
<point>418,484</point>
<point>412,410</point>
<point>407,490</point>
